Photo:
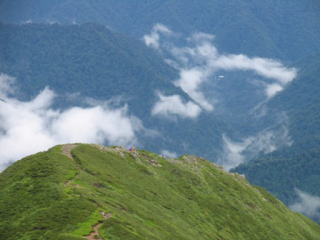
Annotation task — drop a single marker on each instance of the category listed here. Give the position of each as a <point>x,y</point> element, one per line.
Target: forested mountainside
<point>296,167</point>
<point>89,59</point>
<point>287,29</point>
<point>92,62</point>
<point>74,192</point>
<point>95,50</point>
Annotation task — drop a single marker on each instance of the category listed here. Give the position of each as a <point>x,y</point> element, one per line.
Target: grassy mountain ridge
<point>92,60</point>
<point>60,194</point>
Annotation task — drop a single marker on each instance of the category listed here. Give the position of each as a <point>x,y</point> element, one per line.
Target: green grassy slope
<point>52,196</point>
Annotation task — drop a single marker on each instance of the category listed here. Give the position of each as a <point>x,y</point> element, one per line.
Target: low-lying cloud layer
<point>307,204</point>
<point>153,39</point>
<point>31,126</point>
<point>174,105</point>
<point>168,154</point>
<point>200,60</point>
<point>267,141</point>
<point>233,152</point>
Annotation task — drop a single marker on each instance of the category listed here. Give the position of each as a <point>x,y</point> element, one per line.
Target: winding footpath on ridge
<point>67,148</point>
<point>94,234</point>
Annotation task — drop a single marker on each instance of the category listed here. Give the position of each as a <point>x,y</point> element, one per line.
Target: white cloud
<point>153,39</point>
<point>33,126</point>
<point>52,22</point>
<point>189,82</point>
<point>94,124</point>
<point>273,89</point>
<point>29,21</point>
<point>200,60</point>
<point>264,67</point>
<point>267,141</point>
<point>233,152</point>
<point>169,154</point>
<point>207,59</point>
<point>307,204</point>
<point>6,85</point>
<point>174,105</point>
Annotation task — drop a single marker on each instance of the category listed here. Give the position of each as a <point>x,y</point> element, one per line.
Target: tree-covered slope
<point>71,190</point>
<point>91,61</point>
<point>269,28</point>
<point>88,59</point>
<point>297,166</point>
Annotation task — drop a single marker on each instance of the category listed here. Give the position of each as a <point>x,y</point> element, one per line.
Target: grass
<point>85,227</point>
<point>49,196</point>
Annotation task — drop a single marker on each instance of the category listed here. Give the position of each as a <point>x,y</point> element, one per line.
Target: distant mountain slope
<point>89,59</point>
<point>286,29</point>
<point>73,189</point>
<point>94,62</point>
<point>298,166</point>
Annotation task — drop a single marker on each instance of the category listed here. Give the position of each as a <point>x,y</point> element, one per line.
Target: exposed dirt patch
<point>154,163</point>
<point>94,235</point>
<point>67,148</point>
<point>119,150</point>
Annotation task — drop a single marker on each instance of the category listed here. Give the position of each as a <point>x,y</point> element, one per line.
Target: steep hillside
<point>88,59</point>
<point>92,61</point>
<point>270,28</point>
<point>73,190</point>
<point>295,167</point>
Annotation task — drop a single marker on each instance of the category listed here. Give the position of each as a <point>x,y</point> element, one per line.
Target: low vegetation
<point>137,195</point>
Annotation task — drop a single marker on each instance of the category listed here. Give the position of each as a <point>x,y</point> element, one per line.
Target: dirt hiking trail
<point>94,235</point>
<point>67,148</point>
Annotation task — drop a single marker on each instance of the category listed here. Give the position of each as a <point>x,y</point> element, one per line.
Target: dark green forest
<point>285,29</point>
<point>297,166</point>
<point>94,50</point>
